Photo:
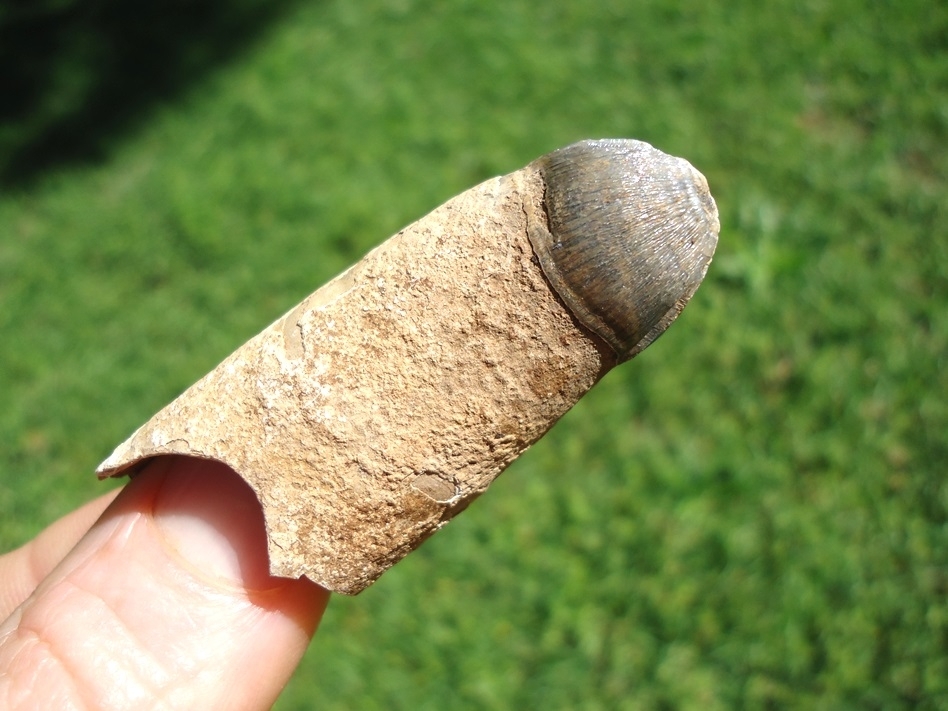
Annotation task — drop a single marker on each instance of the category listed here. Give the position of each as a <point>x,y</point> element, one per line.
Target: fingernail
<point>211,519</point>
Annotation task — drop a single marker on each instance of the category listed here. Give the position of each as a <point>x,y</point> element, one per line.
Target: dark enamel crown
<point>630,233</point>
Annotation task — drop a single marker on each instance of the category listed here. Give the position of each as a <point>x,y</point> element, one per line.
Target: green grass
<point>751,515</point>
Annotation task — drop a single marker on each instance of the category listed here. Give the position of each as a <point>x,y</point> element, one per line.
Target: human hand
<point>165,602</point>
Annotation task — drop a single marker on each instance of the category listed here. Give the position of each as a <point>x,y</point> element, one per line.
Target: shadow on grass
<point>78,74</point>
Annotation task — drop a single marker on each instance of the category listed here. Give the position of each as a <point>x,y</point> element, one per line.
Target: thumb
<point>166,602</point>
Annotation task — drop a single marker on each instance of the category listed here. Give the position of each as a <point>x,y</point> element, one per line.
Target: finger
<point>21,570</point>
<point>167,602</point>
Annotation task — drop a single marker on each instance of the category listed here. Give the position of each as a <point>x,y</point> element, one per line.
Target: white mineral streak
<point>386,401</point>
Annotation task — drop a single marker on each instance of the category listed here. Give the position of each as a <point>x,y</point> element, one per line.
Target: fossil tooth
<point>375,410</point>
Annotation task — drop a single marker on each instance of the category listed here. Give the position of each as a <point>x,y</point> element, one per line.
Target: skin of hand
<point>165,602</point>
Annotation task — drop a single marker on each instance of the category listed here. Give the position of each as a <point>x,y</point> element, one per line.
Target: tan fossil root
<point>385,402</point>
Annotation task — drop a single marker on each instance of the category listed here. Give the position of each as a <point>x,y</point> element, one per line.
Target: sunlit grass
<point>752,514</point>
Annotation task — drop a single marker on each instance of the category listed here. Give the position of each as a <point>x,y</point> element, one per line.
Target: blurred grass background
<point>751,515</point>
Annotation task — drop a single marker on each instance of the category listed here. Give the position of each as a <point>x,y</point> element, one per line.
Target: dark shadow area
<point>75,75</point>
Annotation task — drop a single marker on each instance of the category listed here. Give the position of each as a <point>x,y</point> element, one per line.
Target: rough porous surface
<point>385,402</point>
